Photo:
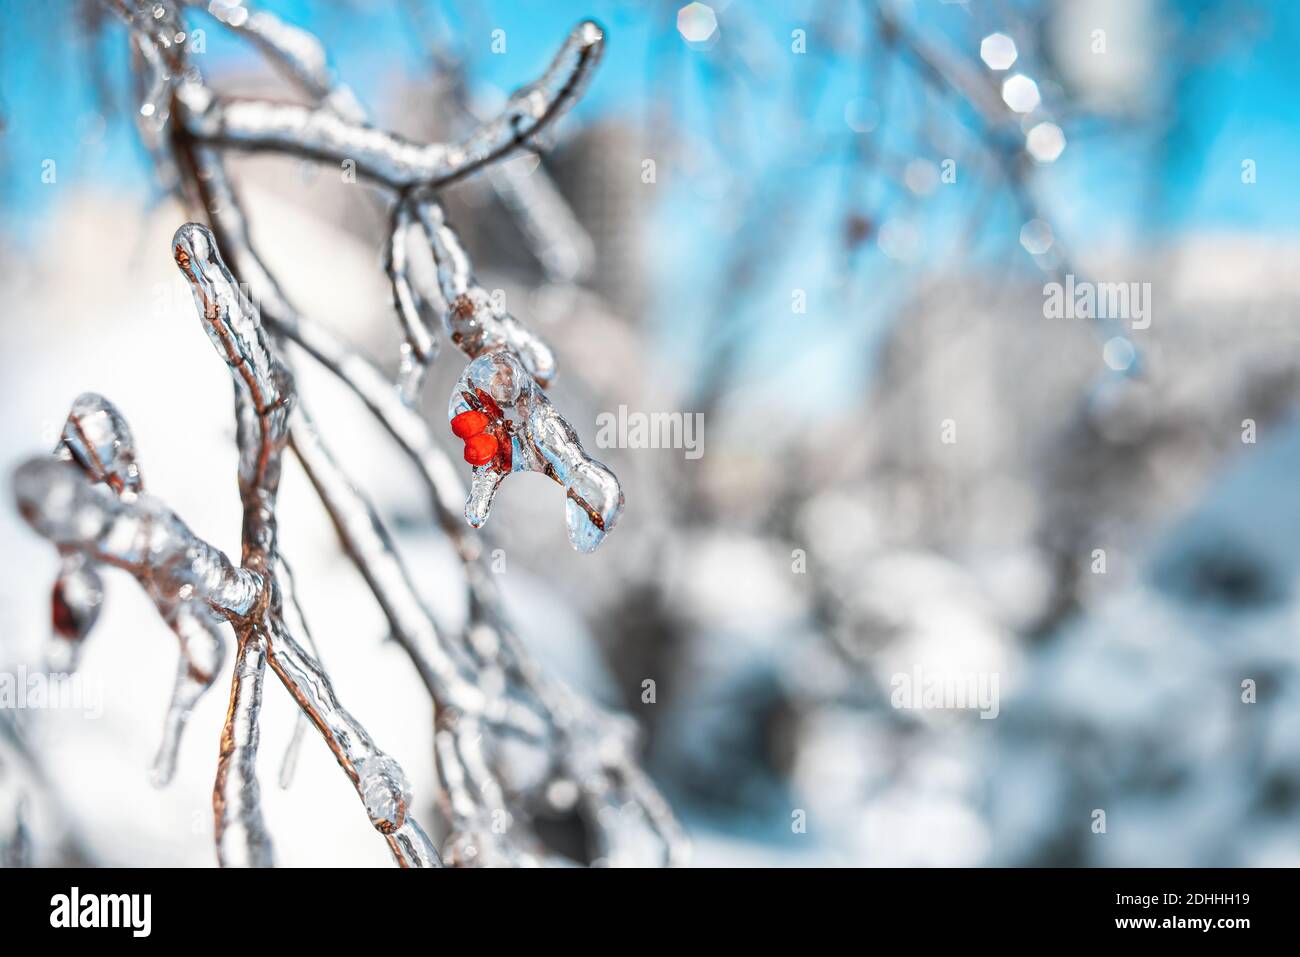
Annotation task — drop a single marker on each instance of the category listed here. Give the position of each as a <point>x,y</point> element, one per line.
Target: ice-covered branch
<point>158,42</point>
<point>265,398</point>
<point>473,320</point>
<point>379,780</point>
<point>532,108</point>
<point>241,835</point>
<point>141,536</point>
<point>554,235</point>
<point>296,53</point>
<point>399,163</point>
<point>97,438</point>
<point>193,584</point>
<point>417,315</point>
<point>263,385</point>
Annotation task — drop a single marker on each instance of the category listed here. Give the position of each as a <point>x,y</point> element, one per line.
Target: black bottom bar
<point>344,907</point>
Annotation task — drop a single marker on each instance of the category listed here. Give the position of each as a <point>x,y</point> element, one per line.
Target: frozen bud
<point>100,442</point>
<point>385,791</point>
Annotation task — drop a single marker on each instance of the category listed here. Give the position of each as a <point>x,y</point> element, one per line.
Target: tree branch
<point>398,163</point>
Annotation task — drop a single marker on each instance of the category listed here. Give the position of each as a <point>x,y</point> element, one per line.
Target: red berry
<point>469,423</point>
<point>480,449</point>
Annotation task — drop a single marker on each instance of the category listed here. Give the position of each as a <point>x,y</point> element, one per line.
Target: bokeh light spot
<point>998,51</point>
<point>1021,93</point>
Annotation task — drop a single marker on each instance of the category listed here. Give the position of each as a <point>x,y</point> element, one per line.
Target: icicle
<point>202,653</point>
<point>536,438</point>
<point>411,374</point>
<point>289,763</point>
<point>296,622</point>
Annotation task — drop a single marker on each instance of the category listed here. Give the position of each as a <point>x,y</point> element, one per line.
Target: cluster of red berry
<point>485,433</point>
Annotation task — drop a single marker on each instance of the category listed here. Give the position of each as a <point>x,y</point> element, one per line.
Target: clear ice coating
<point>142,537</point>
<point>81,511</point>
<point>384,790</point>
<point>98,438</point>
<point>295,52</point>
<point>475,321</point>
<point>158,39</point>
<point>266,393</point>
<point>532,436</point>
<point>235,329</point>
<point>202,653</point>
<point>399,163</point>
<point>417,314</point>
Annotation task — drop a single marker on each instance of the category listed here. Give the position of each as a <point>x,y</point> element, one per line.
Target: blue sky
<point>1240,103</point>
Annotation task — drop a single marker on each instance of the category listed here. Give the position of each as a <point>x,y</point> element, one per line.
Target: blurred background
<point>831,228</point>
